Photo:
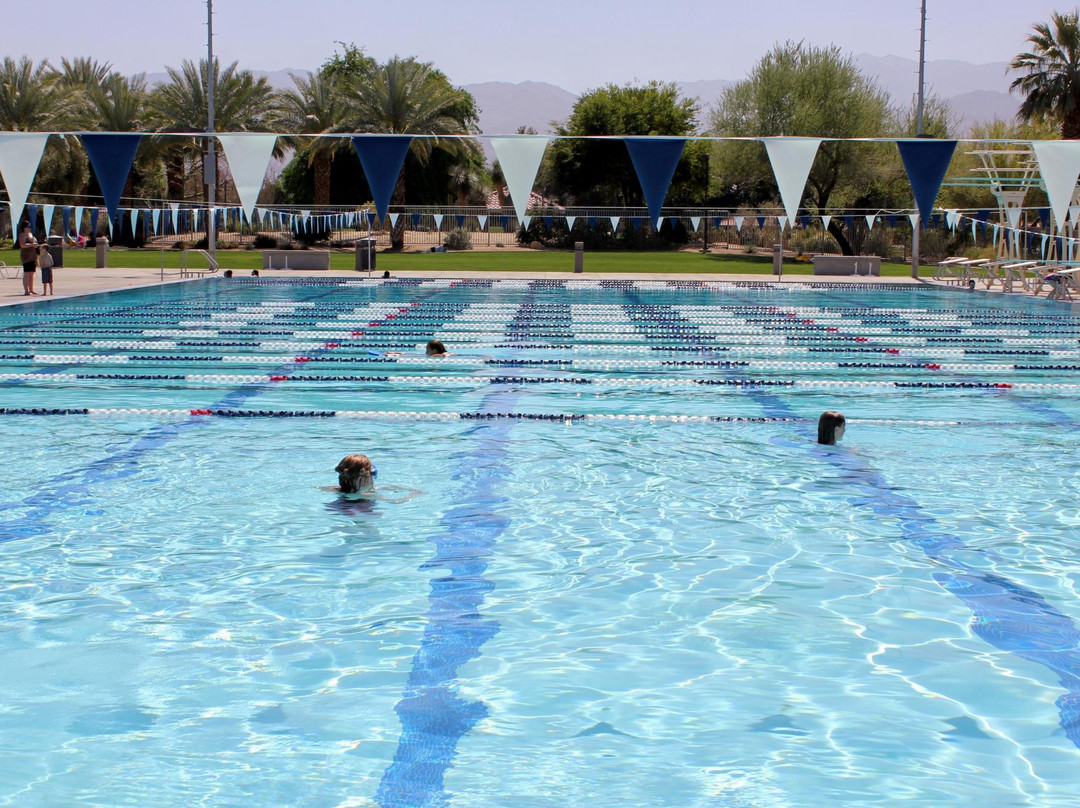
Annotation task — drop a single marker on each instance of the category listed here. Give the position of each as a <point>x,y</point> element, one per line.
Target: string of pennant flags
<point>248,154</point>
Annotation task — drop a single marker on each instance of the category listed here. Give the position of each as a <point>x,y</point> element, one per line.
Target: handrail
<point>186,271</point>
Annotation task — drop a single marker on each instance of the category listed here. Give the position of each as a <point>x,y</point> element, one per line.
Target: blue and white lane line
<point>433,716</point>
<point>1005,614</point>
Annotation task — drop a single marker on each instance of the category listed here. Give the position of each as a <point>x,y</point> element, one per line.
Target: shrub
<point>458,239</point>
<point>265,242</point>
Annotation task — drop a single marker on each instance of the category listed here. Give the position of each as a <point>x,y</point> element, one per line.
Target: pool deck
<point>78,281</point>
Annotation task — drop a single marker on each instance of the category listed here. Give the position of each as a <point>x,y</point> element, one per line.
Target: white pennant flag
<point>49,211</point>
<point>1059,165</point>
<point>570,222</point>
<point>394,219</point>
<point>739,223</point>
<point>791,159</point>
<point>483,221</point>
<point>438,221</point>
<point>156,218</point>
<point>249,157</point>
<point>76,222</point>
<point>526,221</point>
<point>519,157</point>
<point>20,153</point>
<point>134,220</point>
<point>825,221</point>
<point>974,231</point>
<point>1045,240</point>
<point>782,221</point>
<point>614,222</point>
<point>870,221</point>
<point>175,220</point>
<point>914,219</point>
<point>695,222</point>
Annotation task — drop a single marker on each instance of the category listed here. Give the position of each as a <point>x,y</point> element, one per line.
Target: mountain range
<point>977,92</point>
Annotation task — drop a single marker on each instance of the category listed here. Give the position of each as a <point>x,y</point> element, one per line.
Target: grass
<point>474,260</point>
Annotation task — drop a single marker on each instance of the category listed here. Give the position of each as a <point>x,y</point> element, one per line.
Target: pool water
<point>630,576</point>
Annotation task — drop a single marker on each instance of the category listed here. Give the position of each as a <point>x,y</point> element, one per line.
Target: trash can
<point>102,252</point>
<point>365,254</point>
<point>579,256</point>
<point>56,250</point>
<point>778,259</point>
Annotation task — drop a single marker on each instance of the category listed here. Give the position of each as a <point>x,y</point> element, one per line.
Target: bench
<point>846,264</point>
<point>296,259</point>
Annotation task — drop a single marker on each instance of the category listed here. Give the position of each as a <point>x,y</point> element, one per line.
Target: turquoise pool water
<point>630,577</point>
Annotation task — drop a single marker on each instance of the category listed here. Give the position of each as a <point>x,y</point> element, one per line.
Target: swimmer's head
<point>436,348</point>
<point>830,427</point>
<point>355,474</point>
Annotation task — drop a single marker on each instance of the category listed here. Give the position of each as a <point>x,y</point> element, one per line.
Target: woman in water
<point>830,428</point>
<point>356,480</point>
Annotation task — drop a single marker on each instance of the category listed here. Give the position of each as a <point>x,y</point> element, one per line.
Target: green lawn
<point>493,261</point>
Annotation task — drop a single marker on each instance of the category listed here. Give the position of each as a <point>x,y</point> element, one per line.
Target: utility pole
<point>210,169</point>
<point>919,127</point>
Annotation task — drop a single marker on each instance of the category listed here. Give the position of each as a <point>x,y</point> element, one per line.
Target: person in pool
<point>830,428</point>
<point>436,348</point>
<point>356,480</point>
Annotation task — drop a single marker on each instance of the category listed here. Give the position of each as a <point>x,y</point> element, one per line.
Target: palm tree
<point>407,97</point>
<point>82,72</point>
<point>242,103</point>
<point>315,107</point>
<point>31,99</point>
<point>1051,80</point>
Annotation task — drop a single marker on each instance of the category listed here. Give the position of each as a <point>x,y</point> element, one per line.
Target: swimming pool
<point>631,577</point>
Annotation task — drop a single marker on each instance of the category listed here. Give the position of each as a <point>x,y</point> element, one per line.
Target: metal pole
<point>919,127</point>
<point>211,157</point>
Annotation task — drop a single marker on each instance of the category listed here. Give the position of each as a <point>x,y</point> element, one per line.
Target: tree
<point>600,172</point>
<point>1051,74</point>
<point>31,98</point>
<point>406,96</point>
<point>315,107</point>
<point>800,90</point>
<point>242,103</point>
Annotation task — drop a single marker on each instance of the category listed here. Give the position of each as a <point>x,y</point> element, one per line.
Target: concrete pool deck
<point>72,282</point>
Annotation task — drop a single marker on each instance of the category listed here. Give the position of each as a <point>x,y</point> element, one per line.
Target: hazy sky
<point>576,44</point>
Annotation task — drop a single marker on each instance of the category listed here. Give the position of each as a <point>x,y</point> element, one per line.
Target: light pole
<point>210,169</point>
<point>920,98</point>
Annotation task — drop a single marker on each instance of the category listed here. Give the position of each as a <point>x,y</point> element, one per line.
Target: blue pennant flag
<point>717,221</point>
<point>111,157</point>
<point>382,157</point>
<point>460,221</point>
<point>590,221</point>
<point>31,216</point>
<point>805,220</point>
<point>926,162</point>
<point>849,222</point>
<point>891,219</point>
<point>549,221</point>
<point>93,222</point>
<point>655,160</point>
<point>415,221</point>
<point>65,212</point>
<point>505,221</point>
<point>1044,217</point>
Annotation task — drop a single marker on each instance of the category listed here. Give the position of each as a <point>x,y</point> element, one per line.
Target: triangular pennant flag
<point>614,223</point>
<point>974,229</point>
<point>926,162</point>
<point>870,218</point>
<point>394,219</point>
<point>438,221</point>
<point>49,211</point>
<point>111,157</point>
<point>382,157</point>
<point>460,221</point>
<point>483,221</point>
<point>20,153</point>
<point>134,221</point>
<point>695,222</point>
<point>1013,215</point>
<point>739,223</point>
<point>526,221</point>
<point>549,221</point>
<point>175,222</point>
<point>914,219</point>
<point>825,221</point>
<point>782,221</point>
<point>655,160</point>
<point>520,157</point>
<point>31,216</point>
<point>67,219</point>
<point>570,222</point>
<point>1059,165</point>
<point>415,221</point>
<point>761,222</point>
<point>94,214</point>
<point>791,159</point>
<point>156,219</point>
